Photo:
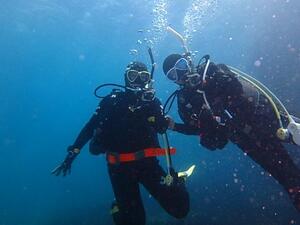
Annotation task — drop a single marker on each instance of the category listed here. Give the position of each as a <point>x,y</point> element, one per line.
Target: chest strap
<point>115,158</point>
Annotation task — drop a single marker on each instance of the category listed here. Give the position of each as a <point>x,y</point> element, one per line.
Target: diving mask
<point>132,75</point>
<point>180,68</point>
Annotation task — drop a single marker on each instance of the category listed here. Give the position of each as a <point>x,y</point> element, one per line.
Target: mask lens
<point>172,74</point>
<point>132,75</point>
<point>145,76</point>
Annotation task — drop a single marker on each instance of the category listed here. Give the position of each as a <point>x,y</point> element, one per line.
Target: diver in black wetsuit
<point>125,127</point>
<point>215,103</point>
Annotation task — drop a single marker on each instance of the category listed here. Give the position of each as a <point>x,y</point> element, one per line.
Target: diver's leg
<point>128,208</point>
<point>174,199</point>
<point>272,157</point>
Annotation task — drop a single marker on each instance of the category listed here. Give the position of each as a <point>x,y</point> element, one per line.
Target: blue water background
<point>54,53</point>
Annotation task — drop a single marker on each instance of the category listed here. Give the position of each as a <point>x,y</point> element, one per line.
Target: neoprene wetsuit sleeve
<point>187,130</point>
<point>87,131</point>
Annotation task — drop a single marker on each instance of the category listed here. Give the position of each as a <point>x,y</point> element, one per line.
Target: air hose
<point>282,133</point>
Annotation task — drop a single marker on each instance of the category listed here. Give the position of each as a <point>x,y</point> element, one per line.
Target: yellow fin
<point>187,173</point>
<point>114,210</point>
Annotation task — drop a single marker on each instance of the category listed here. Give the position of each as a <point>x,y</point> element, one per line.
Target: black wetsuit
<point>240,114</point>
<point>122,124</point>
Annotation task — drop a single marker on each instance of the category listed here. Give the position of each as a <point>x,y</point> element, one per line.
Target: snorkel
<point>180,38</point>
<point>153,64</point>
<point>148,93</point>
<point>187,53</point>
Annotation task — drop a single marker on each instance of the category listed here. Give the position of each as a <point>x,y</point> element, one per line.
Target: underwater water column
<point>196,15</point>
<point>160,20</point>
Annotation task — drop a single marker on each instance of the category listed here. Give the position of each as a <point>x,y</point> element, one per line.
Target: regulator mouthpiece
<point>294,129</point>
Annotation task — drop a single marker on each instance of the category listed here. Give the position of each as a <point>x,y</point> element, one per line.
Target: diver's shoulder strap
<point>112,98</point>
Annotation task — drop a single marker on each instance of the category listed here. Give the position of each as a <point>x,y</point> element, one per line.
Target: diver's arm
<point>87,131</point>
<point>84,136</point>
<point>186,129</point>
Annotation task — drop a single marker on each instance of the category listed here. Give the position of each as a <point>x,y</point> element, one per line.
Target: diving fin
<point>294,129</point>
<point>296,119</point>
<point>187,173</point>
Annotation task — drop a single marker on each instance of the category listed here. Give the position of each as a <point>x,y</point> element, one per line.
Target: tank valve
<point>294,129</point>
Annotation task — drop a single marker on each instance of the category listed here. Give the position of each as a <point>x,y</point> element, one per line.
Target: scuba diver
<point>221,104</point>
<point>125,127</point>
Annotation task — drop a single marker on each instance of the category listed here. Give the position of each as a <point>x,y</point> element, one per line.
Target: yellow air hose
<point>281,132</point>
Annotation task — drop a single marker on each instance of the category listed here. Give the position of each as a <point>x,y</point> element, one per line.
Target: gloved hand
<point>65,166</point>
<point>216,139</point>
<point>207,121</point>
<point>171,122</point>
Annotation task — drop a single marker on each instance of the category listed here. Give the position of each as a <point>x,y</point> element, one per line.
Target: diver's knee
<point>180,207</point>
<point>181,212</point>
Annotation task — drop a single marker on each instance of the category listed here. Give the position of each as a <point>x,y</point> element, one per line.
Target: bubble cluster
<point>196,15</point>
<point>160,20</point>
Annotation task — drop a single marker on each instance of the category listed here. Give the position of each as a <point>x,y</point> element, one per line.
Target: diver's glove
<point>65,166</point>
<point>171,122</point>
<point>207,121</point>
<point>213,140</point>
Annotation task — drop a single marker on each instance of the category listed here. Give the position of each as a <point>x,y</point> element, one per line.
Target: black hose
<point>170,98</point>
<point>105,85</point>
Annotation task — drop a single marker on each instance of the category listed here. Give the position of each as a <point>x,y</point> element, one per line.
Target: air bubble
<point>257,63</point>
<point>133,52</point>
